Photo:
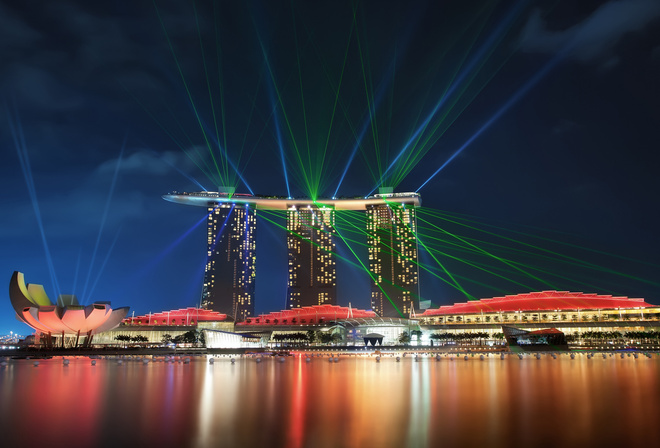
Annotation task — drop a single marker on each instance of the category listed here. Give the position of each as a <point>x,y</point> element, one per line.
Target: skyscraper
<point>229,276</point>
<point>312,273</point>
<point>229,279</point>
<point>391,237</point>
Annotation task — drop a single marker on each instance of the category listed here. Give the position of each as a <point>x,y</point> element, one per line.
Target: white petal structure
<point>33,307</point>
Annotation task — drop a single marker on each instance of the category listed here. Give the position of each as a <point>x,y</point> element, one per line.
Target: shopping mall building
<point>572,313</point>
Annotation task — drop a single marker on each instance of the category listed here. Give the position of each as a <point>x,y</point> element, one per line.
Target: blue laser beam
<point>184,174</point>
<point>76,272</point>
<point>104,217</point>
<point>172,245</point>
<point>380,93</point>
<point>513,100</point>
<point>224,225</point>
<point>140,274</point>
<point>231,163</point>
<point>24,159</point>
<point>477,57</point>
<point>198,279</point>
<point>240,176</point>
<point>365,125</point>
<point>104,263</point>
<point>278,132</point>
<point>379,96</point>
<point>271,91</point>
<point>352,156</point>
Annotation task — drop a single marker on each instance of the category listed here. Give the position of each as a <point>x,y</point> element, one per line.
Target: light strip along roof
<point>211,198</point>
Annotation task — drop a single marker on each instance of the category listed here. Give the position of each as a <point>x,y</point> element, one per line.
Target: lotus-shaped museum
<point>66,317</point>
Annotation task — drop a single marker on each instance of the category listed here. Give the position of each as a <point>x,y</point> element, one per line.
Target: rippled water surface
<point>354,403</point>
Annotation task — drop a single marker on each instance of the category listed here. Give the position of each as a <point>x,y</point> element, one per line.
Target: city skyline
<point>529,128</point>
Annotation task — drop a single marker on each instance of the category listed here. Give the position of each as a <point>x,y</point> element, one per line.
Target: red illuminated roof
<point>186,316</point>
<point>308,315</point>
<point>546,331</point>
<point>543,301</point>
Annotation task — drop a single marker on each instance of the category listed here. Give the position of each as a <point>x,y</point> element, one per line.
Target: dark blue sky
<point>563,95</point>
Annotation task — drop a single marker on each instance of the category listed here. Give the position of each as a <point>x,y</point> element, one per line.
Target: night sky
<point>550,110</point>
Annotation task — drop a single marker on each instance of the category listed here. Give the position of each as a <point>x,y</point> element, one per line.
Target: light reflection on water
<point>354,403</point>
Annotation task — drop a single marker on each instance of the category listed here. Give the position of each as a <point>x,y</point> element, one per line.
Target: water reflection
<point>354,403</point>
<point>420,400</point>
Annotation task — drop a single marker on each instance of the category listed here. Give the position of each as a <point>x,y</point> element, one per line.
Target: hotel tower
<point>229,274</point>
<point>312,267</point>
<point>392,242</point>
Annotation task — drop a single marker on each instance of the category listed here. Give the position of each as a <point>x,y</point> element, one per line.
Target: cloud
<point>149,162</point>
<point>34,87</point>
<point>15,32</point>
<point>73,212</point>
<point>73,207</point>
<point>593,39</point>
<point>66,55</point>
<point>655,54</point>
<point>564,126</point>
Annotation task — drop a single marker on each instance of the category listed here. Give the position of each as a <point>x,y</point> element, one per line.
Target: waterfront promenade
<point>324,350</point>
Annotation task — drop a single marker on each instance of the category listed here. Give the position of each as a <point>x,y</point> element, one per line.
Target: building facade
<point>392,242</point>
<point>312,277</point>
<point>64,323</point>
<point>558,308</point>
<point>229,275</point>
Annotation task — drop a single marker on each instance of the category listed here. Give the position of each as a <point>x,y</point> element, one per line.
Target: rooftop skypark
<point>209,198</point>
